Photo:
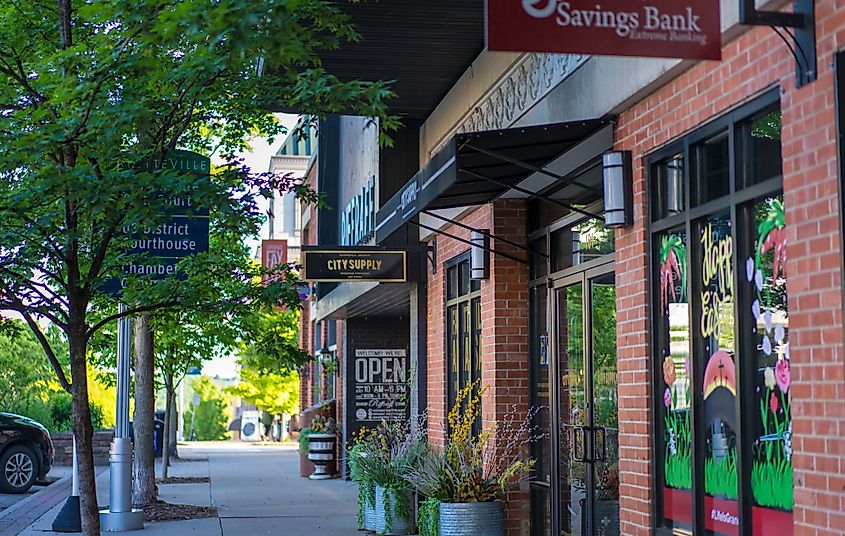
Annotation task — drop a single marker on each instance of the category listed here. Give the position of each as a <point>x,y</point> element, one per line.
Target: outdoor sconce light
<point>479,262</point>
<point>618,189</point>
<point>675,186</point>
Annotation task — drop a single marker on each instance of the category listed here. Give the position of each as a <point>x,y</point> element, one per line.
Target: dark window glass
<point>761,150</point>
<point>541,512</point>
<point>712,159</point>
<point>669,184</point>
<point>539,348</point>
<point>580,243</point>
<point>463,333</point>
<point>318,336</point>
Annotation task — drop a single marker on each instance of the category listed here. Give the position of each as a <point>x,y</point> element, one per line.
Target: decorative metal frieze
<point>527,82</point>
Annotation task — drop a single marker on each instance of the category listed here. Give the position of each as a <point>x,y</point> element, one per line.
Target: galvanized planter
<point>399,524</point>
<point>471,519</point>
<point>368,510</point>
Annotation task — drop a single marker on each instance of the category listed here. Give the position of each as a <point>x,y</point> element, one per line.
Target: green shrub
<point>61,413</point>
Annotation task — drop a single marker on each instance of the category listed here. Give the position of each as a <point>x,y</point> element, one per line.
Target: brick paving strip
<point>19,516</point>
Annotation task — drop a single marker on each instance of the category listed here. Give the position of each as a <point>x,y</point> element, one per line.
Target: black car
<point>26,453</point>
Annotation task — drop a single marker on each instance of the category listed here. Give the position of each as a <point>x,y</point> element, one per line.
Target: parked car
<point>26,453</point>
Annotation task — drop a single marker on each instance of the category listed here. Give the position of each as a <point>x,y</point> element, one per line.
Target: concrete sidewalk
<point>256,489</point>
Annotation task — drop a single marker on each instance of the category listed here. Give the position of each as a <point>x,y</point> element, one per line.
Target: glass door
<point>587,484</point>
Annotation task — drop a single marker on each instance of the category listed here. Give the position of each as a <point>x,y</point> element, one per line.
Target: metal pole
<point>121,517</point>
<point>75,478</point>
<point>69,518</point>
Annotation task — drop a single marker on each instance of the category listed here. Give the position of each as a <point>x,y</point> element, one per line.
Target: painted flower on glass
<point>773,403</point>
<point>782,375</point>
<point>767,320</point>
<point>769,377</point>
<point>772,234</point>
<point>667,397</point>
<point>673,261</point>
<point>780,333</point>
<point>755,309</point>
<point>669,371</point>
<point>767,345</point>
<point>749,269</point>
<point>673,447</point>
<point>758,280</point>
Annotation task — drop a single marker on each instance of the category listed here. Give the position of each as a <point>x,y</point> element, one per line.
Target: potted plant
<point>466,481</point>
<point>366,516</point>
<point>384,458</point>
<point>320,439</point>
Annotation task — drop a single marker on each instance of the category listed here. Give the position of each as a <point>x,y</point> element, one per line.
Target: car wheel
<point>18,469</point>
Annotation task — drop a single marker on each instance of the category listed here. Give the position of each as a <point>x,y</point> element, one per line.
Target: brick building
<point>689,367</point>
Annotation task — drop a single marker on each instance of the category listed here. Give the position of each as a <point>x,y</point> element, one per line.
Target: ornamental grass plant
<point>476,467</point>
<point>382,457</point>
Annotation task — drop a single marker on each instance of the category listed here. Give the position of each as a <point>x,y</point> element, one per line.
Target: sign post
<point>184,233</point>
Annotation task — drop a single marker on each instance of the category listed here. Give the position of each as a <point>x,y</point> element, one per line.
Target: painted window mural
<point>674,342</point>
<point>715,337</point>
<point>771,446</point>
<point>723,444</point>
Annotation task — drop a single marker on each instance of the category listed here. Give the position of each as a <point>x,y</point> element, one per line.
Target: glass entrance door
<point>586,443</point>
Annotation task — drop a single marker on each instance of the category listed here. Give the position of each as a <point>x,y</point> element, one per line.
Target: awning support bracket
<point>465,241</point>
<point>485,233</point>
<point>534,195</point>
<point>802,20</point>
<point>530,167</point>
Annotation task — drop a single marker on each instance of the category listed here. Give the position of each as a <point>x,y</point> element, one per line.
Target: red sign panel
<point>657,28</point>
<point>273,253</point>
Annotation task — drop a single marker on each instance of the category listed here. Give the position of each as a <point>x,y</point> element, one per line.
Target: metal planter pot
<point>368,510</point>
<point>321,453</point>
<point>399,524</point>
<point>471,519</point>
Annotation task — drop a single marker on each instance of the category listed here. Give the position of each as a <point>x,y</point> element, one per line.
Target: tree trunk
<point>168,408</point>
<point>174,424</point>
<point>84,433</point>
<point>144,489</point>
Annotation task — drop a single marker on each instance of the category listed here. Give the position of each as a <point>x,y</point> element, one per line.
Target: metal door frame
<point>583,276</point>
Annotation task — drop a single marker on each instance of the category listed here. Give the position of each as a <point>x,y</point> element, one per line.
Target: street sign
<point>658,28</point>
<point>354,264</point>
<point>183,233</point>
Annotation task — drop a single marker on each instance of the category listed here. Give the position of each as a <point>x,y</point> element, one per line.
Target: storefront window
<point>721,333</point>
<point>580,243</point>
<point>771,443</point>
<point>463,333</point>
<point>673,331</point>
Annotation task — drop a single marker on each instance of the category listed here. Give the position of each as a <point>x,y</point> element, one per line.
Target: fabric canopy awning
<point>476,168</point>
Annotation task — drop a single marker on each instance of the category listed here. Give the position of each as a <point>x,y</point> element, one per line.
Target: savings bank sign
<point>656,28</point>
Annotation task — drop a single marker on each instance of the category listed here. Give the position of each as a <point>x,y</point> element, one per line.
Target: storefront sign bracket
<point>802,20</point>
<point>485,233</point>
<point>468,242</point>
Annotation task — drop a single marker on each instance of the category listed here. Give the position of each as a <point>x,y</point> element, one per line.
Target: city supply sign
<point>656,28</point>
<point>183,233</point>
<point>354,264</point>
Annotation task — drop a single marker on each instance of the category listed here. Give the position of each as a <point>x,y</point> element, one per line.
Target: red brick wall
<point>751,63</point>
<point>504,333</point>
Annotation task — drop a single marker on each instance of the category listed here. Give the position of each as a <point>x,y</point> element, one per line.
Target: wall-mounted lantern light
<point>618,189</point>
<point>479,262</point>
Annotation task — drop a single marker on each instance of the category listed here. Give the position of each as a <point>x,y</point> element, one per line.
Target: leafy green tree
<point>273,393</point>
<point>89,91</point>
<point>25,374</point>
<point>212,417</point>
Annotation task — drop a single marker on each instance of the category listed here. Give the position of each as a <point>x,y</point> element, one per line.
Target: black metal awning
<point>421,47</point>
<point>478,167</point>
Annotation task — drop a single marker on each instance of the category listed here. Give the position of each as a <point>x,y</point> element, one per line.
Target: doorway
<point>585,491</point>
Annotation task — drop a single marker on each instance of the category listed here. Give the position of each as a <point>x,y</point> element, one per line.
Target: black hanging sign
<point>339,265</point>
